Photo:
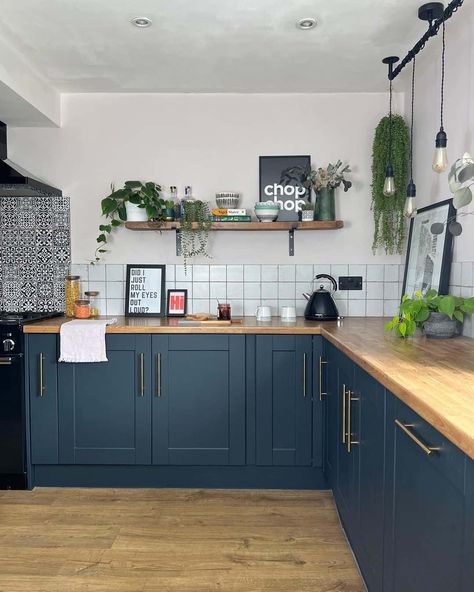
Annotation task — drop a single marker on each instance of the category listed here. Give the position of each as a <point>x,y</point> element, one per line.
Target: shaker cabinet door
<point>43,391</point>
<point>199,400</point>
<point>105,407</point>
<point>283,400</point>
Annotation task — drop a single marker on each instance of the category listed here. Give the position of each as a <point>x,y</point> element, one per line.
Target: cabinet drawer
<point>447,458</point>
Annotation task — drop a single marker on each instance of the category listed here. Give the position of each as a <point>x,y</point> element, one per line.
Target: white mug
<point>288,313</point>
<point>263,313</point>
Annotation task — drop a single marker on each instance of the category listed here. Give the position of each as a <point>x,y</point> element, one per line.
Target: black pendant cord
<point>390,126</point>
<point>443,52</point>
<point>412,118</point>
<point>432,31</point>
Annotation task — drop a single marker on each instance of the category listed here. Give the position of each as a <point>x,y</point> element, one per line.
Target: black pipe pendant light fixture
<point>409,210</point>
<point>389,183</point>
<point>440,157</point>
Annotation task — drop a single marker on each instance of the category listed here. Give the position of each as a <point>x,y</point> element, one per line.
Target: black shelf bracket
<point>291,242</point>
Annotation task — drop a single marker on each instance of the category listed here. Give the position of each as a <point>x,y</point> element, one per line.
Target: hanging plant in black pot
<point>390,224</point>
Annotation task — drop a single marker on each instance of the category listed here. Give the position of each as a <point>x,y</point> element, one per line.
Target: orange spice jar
<point>82,309</point>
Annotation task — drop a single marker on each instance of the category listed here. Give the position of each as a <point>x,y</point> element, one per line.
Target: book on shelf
<point>229,212</point>
<point>231,219</point>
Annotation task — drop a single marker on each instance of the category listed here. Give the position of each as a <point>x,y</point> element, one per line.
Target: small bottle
<point>73,292</point>
<point>174,197</point>
<point>93,296</point>
<point>82,309</point>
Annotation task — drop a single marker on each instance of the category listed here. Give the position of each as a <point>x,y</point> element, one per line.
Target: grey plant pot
<point>440,326</point>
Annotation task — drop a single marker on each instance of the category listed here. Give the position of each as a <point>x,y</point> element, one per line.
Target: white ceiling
<point>210,45</point>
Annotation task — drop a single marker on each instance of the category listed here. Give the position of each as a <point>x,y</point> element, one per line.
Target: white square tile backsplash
<point>248,286</point>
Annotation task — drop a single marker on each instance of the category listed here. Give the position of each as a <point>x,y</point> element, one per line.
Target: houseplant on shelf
<point>134,200</point>
<point>324,181</point>
<point>439,316</point>
<point>195,225</point>
<point>307,212</point>
<point>390,224</point>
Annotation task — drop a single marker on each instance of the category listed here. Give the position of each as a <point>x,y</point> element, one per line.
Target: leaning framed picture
<point>145,291</point>
<point>282,181</point>
<point>177,303</point>
<point>429,256</point>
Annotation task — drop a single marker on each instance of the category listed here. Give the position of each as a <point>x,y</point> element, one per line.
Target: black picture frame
<point>135,303</point>
<point>438,277</point>
<point>272,170</point>
<point>170,313</point>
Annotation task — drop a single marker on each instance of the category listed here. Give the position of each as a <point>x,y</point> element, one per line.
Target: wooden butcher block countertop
<point>433,377</point>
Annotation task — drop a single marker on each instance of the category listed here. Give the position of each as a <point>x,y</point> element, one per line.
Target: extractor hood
<point>14,181</point>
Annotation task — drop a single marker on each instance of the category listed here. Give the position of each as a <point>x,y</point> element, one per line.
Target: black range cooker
<point>12,396</point>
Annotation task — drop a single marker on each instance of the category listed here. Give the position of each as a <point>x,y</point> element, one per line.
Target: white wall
<point>459,114</point>
<point>211,142</point>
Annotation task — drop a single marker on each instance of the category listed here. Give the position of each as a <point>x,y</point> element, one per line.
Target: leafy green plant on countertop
<point>390,224</point>
<point>144,195</point>
<point>414,312</point>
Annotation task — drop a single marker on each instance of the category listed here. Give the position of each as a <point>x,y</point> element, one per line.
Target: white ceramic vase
<point>135,214</point>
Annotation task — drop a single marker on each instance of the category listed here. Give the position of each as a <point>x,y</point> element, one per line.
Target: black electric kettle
<point>321,305</point>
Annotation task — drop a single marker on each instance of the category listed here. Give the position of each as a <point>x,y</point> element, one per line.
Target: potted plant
<point>195,224</point>
<point>324,181</point>
<point>169,213</point>
<point>439,316</point>
<point>135,201</point>
<point>307,212</point>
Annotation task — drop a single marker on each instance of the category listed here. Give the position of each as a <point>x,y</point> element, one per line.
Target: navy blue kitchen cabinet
<point>330,384</point>
<point>199,399</point>
<point>425,536</point>
<point>43,393</point>
<point>283,395</point>
<point>105,407</point>
<point>319,382</point>
<point>468,555</point>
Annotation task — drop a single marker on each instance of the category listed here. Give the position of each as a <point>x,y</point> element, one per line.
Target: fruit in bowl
<point>267,211</point>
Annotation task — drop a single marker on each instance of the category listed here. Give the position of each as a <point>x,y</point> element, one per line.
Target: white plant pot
<point>307,215</point>
<point>135,214</point>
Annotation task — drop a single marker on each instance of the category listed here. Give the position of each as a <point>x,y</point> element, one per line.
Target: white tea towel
<point>84,341</point>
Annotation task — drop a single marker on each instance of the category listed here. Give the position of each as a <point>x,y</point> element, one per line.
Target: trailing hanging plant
<point>194,229</point>
<point>389,232</point>
<point>144,195</point>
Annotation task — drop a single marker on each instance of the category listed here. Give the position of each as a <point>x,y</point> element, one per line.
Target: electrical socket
<point>350,282</point>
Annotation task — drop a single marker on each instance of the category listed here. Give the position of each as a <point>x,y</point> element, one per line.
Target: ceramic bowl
<point>266,212</point>
<point>227,199</point>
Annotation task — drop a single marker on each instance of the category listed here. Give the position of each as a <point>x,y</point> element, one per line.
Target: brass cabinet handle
<point>142,375</point>
<point>321,394</point>
<point>41,375</point>
<point>344,394</point>
<point>304,375</point>
<point>350,441</point>
<point>158,375</point>
<point>406,428</point>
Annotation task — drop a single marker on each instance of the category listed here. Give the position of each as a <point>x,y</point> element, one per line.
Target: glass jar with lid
<point>93,297</point>
<point>82,309</point>
<point>73,293</point>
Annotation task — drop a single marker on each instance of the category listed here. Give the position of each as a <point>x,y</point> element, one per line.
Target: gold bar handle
<point>344,394</point>
<point>41,375</point>
<point>406,428</point>
<point>142,374</point>
<point>350,441</point>
<point>158,375</point>
<point>321,394</point>
<point>304,375</point>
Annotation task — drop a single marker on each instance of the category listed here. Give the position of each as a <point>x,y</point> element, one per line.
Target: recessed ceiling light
<point>306,23</point>
<point>141,21</point>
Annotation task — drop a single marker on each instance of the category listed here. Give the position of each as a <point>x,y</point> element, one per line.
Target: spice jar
<point>93,296</point>
<point>82,309</point>
<point>73,293</point>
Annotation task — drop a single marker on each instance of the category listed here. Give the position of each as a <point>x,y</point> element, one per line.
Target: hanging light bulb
<point>389,183</point>
<point>440,157</point>
<point>409,209</point>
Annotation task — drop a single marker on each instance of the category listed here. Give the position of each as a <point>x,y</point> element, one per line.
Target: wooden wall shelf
<point>289,226</point>
<point>267,226</point>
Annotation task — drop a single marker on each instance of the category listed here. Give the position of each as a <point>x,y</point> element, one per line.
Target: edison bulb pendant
<point>389,183</point>
<point>440,157</point>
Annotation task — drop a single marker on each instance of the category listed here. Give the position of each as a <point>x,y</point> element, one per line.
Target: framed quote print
<point>177,303</point>
<point>145,291</point>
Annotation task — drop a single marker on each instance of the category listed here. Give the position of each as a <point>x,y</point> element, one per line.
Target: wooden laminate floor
<point>172,540</point>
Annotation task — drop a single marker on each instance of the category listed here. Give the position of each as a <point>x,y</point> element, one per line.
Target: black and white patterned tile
<point>35,252</point>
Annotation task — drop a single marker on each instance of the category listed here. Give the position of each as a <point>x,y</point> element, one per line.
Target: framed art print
<point>177,303</point>
<point>145,291</point>
<point>429,256</point>
<point>281,181</point>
